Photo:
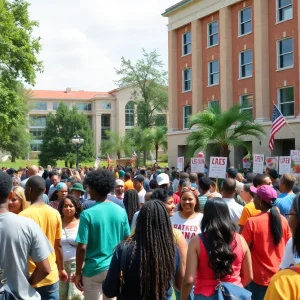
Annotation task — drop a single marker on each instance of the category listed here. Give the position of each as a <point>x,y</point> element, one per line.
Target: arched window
<point>129,114</point>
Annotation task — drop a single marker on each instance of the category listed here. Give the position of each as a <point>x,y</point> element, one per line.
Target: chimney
<point>68,90</point>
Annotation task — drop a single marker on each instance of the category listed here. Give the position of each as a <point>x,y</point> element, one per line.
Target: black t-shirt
<point>131,288</point>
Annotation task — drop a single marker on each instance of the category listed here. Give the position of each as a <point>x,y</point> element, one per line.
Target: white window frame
<point>279,55</point>
<point>248,108</point>
<point>247,64</point>
<point>107,104</point>
<point>279,100</point>
<point>209,35</point>
<point>130,111</point>
<point>183,114</point>
<point>277,12</point>
<point>208,71</point>
<point>183,80</point>
<point>182,43</point>
<point>240,23</point>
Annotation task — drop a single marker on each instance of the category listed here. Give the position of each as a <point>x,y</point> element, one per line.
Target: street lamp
<point>78,142</point>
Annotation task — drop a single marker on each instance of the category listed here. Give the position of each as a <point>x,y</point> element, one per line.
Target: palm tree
<point>222,128</point>
<point>160,139</point>
<point>115,144</point>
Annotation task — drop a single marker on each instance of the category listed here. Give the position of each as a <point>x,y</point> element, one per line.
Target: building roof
<point>67,94</point>
<point>176,6</point>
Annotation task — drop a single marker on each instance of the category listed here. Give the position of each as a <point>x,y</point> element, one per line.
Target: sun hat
<point>162,179</point>
<point>77,187</point>
<point>265,192</point>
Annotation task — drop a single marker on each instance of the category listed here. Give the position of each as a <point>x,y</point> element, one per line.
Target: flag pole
<point>285,119</point>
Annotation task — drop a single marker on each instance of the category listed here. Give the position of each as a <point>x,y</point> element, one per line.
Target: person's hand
<point>72,278</point>
<point>63,275</point>
<point>78,282</point>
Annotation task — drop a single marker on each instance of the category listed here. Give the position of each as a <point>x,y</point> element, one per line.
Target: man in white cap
<point>163,181</point>
<point>119,189</point>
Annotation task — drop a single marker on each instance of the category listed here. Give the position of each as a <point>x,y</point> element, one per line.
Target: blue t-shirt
<point>102,227</point>
<point>284,202</point>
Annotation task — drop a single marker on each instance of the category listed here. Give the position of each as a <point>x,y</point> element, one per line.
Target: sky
<point>83,40</point>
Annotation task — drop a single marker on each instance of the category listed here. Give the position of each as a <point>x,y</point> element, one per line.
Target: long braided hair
<point>154,237</point>
<point>131,203</point>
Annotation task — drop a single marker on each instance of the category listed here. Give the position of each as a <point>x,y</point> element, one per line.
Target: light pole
<point>78,142</point>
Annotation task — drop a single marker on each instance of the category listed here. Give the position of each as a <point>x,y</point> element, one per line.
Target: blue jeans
<point>49,292</point>
<point>178,295</point>
<point>258,291</point>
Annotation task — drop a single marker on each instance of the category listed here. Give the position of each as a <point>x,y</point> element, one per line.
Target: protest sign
<point>295,162</point>
<point>258,163</point>
<point>284,165</point>
<point>197,165</point>
<point>272,163</point>
<point>217,167</point>
<point>180,164</point>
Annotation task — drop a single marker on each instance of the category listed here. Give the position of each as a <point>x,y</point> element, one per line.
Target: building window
<point>106,105</point>
<point>285,54</point>
<point>129,114</point>
<point>245,21</point>
<point>84,106</point>
<point>187,80</point>
<point>186,43</point>
<point>37,121</point>
<point>36,145</point>
<point>36,132</point>
<point>187,112</point>
<point>105,126</point>
<point>286,101</point>
<point>213,72</point>
<point>40,105</point>
<point>284,10</point>
<point>246,64</point>
<point>247,103</point>
<point>56,105</point>
<point>213,103</point>
<point>213,34</point>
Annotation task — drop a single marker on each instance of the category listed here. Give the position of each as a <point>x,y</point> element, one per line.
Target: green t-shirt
<point>102,227</point>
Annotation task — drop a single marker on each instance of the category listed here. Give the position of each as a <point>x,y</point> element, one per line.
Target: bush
<point>163,158</point>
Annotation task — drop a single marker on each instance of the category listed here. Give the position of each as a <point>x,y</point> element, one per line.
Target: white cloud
<point>83,40</point>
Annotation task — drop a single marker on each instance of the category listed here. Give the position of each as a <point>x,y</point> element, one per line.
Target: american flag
<point>278,121</point>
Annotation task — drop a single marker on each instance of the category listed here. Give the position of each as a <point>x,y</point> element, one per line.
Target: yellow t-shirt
<point>128,185</point>
<point>284,286</point>
<point>248,211</point>
<point>50,222</point>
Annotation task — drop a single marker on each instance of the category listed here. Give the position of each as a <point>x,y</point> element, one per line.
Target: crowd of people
<point>148,233</point>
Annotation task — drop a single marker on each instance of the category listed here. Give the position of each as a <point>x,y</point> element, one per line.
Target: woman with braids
<point>266,234</point>
<point>152,260</point>
<point>285,284</point>
<point>70,210</point>
<point>131,203</point>
<point>229,256</point>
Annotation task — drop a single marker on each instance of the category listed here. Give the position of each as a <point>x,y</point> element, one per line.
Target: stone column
<point>98,132</point>
<point>225,34</point>
<point>197,82</point>
<point>261,60</point>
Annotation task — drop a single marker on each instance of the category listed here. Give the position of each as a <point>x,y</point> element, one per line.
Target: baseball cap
<point>232,172</point>
<point>273,173</point>
<point>139,178</point>
<point>162,179</point>
<point>159,171</point>
<point>119,182</point>
<point>265,192</point>
<point>77,187</point>
<point>121,173</point>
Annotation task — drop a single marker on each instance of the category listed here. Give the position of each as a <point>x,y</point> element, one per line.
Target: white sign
<point>217,167</point>
<point>197,165</point>
<point>284,165</point>
<point>180,164</point>
<point>272,163</point>
<point>258,163</point>
<point>295,162</point>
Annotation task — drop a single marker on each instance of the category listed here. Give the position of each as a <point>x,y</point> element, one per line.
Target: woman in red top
<point>229,258</point>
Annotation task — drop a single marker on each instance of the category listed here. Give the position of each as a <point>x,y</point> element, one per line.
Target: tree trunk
<point>156,152</point>
<point>224,152</point>
<point>66,164</point>
<point>13,158</point>
<point>119,155</point>
<point>145,157</point>
<point>71,165</point>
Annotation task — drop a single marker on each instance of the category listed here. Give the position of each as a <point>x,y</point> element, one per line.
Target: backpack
<point>226,290</point>
<point>5,292</point>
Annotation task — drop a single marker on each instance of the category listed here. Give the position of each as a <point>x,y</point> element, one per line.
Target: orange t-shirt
<point>266,257</point>
<point>248,211</point>
<point>128,185</point>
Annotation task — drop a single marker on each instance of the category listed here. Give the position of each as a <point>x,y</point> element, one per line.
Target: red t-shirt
<point>266,257</point>
<point>176,197</point>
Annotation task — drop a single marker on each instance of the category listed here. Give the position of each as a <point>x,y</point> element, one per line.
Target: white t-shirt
<point>188,227</point>
<point>68,242</point>
<point>141,195</point>
<point>235,211</point>
<point>289,258</point>
<point>133,223</point>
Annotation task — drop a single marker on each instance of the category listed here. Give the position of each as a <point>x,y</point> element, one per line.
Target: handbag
<point>5,292</point>
<point>227,290</point>
<point>122,270</point>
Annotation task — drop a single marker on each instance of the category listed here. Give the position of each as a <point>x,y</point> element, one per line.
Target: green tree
<point>18,60</point>
<point>223,129</point>
<point>160,139</point>
<point>60,129</point>
<point>149,84</point>
<point>116,144</point>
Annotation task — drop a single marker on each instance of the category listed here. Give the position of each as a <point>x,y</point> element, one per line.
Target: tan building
<point>223,52</point>
<point>112,110</point>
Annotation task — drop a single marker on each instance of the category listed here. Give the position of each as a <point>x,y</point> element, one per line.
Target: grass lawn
<point>22,163</point>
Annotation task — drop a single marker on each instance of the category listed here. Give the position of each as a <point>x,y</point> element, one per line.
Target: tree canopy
<point>18,60</point>
<point>223,129</point>
<point>149,83</point>
<point>60,129</point>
